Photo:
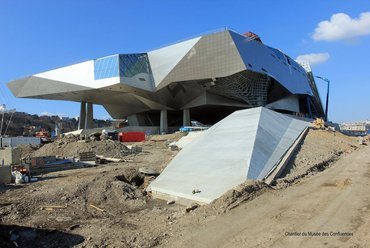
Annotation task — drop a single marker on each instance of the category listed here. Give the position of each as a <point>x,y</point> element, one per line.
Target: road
<point>329,209</point>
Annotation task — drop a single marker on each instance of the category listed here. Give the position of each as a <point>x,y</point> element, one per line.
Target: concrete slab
<point>245,145</point>
<point>189,138</point>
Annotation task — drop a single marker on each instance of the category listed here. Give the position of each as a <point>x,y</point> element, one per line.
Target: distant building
<point>204,78</point>
<point>360,128</point>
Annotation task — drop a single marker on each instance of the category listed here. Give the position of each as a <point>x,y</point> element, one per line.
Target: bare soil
<point>107,205</point>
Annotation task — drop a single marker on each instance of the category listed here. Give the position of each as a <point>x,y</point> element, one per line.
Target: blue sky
<point>37,36</point>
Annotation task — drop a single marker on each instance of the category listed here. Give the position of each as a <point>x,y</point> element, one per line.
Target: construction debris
<point>95,207</point>
<point>5,174</point>
<point>319,123</point>
<point>87,158</point>
<point>51,208</point>
<point>361,140</point>
<point>148,171</point>
<point>192,207</point>
<point>70,147</point>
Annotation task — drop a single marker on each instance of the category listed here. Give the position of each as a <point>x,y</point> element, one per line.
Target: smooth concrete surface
<point>245,145</point>
<point>10,156</point>
<point>89,122</point>
<point>188,139</point>
<point>186,117</point>
<point>15,141</point>
<point>280,166</point>
<point>163,128</point>
<point>81,120</point>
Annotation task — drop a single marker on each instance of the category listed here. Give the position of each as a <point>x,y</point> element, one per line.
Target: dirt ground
<point>107,206</point>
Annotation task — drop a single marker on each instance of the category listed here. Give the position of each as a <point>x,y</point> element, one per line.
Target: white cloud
<point>313,58</point>
<point>52,114</point>
<point>341,27</point>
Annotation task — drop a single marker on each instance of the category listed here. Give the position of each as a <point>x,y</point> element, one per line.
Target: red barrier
<point>131,136</point>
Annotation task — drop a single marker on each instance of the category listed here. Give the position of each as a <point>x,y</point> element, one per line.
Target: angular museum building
<point>204,78</point>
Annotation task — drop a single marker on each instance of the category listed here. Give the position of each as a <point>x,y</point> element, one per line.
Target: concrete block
<point>37,162</point>
<point>5,174</point>
<point>245,145</point>
<point>10,156</point>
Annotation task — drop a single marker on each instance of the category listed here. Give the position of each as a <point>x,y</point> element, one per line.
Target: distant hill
<point>23,124</point>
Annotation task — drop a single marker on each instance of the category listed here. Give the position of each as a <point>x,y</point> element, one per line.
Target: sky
<point>40,35</point>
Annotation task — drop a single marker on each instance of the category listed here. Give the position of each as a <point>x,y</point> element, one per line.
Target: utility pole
<point>2,108</point>
<point>327,96</point>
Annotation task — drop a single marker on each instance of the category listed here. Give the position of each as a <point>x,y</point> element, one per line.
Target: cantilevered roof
<point>153,75</point>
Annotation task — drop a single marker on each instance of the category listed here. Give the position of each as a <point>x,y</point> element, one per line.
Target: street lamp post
<point>327,96</point>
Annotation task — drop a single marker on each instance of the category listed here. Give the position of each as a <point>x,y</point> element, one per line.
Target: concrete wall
<point>10,156</point>
<point>5,174</point>
<point>15,141</point>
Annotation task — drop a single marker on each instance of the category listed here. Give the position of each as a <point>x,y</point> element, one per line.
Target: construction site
<point>222,141</point>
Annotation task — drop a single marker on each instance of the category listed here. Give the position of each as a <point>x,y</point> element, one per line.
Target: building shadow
<point>27,237</point>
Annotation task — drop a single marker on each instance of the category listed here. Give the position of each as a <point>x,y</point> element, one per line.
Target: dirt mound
<point>28,150</point>
<point>319,150</point>
<point>243,192</point>
<point>168,137</point>
<point>71,148</point>
<point>107,191</point>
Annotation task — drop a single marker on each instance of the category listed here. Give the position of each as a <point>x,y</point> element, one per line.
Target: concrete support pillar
<point>81,120</point>
<point>89,123</point>
<point>186,117</point>
<point>163,128</point>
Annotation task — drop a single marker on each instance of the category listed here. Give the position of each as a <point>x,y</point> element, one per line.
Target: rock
<point>74,227</point>
<point>62,219</point>
<point>192,207</point>
<point>169,202</point>
<point>148,171</point>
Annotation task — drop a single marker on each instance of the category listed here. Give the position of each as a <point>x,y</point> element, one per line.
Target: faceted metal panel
<point>215,55</point>
<point>223,63</point>
<point>266,60</point>
<point>163,60</point>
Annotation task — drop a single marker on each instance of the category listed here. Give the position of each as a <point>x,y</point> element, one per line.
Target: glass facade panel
<point>106,67</point>
<point>132,64</point>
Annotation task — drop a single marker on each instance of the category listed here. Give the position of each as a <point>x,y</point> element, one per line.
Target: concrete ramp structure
<point>247,144</point>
